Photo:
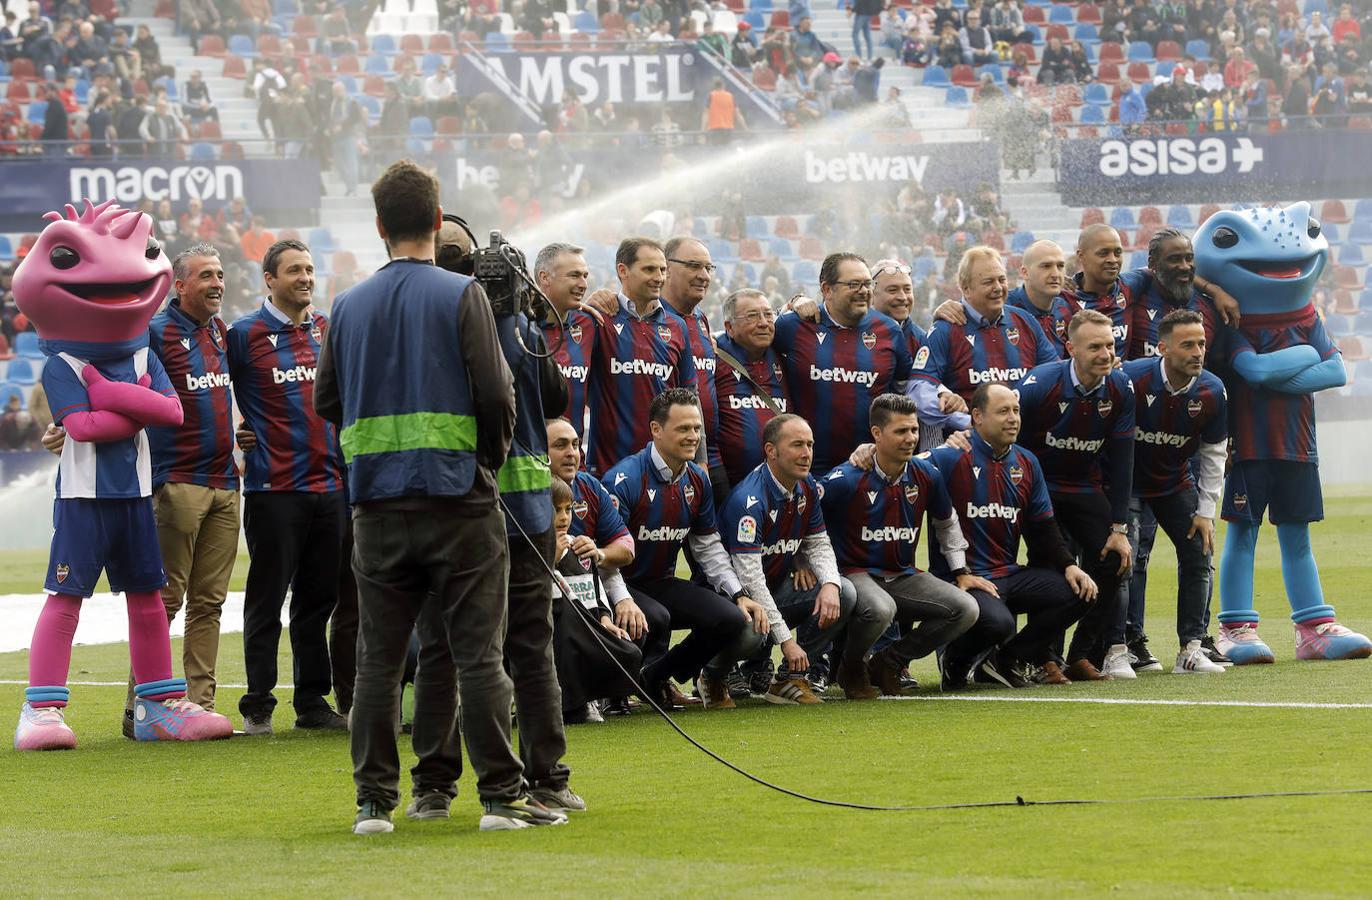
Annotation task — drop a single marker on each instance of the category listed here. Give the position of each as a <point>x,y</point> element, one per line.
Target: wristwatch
<point>960,571</point>
<point>741,592</point>
<point>1117,528</point>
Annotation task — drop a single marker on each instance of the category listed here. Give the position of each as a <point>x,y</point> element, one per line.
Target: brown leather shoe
<point>1083,670</point>
<point>855,683</point>
<point>1051,673</point>
<point>677,698</point>
<point>714,692</point>
<point>884,670</point>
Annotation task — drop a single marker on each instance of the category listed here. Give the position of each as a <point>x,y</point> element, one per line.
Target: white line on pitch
<point>1120,701</point>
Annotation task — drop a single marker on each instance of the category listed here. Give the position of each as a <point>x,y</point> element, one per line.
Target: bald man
<point>1044,292</point>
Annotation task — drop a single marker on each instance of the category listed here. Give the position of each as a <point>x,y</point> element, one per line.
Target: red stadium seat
<point>552,40</point>
<point>781,19</point>
<point>735,5</point>
<point>786,228</point>
<point>964,76</point>
<point>209,130</point>
<point>211,45</point>
<point>348,64</point>
<point>1088,14</point>
<point>750,250</point>
<point>1351,346</point>
<point>1348,278</point>
<point>1111,52</point>
<point>811,248</point>
<point>1139,71</point>
<point>613,21</point>
<point>1345,304</point>
<point>765,78</point>
<point>269,45</point>
<point>992,238</point>
<point>374,86</point>
<point>1030,53</point>
<point>1144,234</point>
<point>321,64</point>
<point>230,150</point>
<point>411,43</point>
<point>1168,51</point>
<point>18,91</point>
<point>1206,211</point>
<point>344,263</point>
<point>448,125</point>
<point>1333,212</point>
<point>441,42</point>
<point>22,68</point>
<point>1108,73</point>
<point>1092,215</point>
<point>165,9</point>
<point>1150,215</point>
<point>304,25</point>
<point>524,42</point>
<point>1034,15</point>
<point>1062,115</point>
<point>1057,31</point>
<point>301,45</point>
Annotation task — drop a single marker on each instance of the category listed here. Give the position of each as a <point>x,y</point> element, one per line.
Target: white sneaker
<point>1117,663</point>
<point>1192,660</point>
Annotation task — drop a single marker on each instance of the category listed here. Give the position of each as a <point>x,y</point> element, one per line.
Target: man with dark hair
<point>998,492</point>
<point>294,510</point>
<point>665,499</point>
<point>1179,457</point>
<point>422,458</point>
<point>836,366</point>
<point>641,350</point>
<point>772,516</point>
<point>1077,415</point>
<point>875,515</point>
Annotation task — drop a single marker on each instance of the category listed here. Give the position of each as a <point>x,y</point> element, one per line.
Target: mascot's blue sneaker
<point>1330,640</point>
<point>1240,642</point>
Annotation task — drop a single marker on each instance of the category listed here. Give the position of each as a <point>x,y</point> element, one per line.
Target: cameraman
<point>422,453</point>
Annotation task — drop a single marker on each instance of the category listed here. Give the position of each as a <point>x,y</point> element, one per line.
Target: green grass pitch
<point>272,816</point>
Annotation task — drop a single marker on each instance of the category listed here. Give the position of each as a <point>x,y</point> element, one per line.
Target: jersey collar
<point>270,312</point>
<point>977,320</point>
<point>628,308</point>
<point>1167,385</point>
<point>983,449</point>
<point>660,467</point>
<point>1076,381</point>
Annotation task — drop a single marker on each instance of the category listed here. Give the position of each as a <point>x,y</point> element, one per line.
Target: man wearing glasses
<point>689,272</point>
<point>744,411</point>
<point>836,366</point>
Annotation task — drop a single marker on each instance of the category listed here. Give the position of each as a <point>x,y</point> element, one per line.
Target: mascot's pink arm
<point>99,426</point>
<point>136,401</point>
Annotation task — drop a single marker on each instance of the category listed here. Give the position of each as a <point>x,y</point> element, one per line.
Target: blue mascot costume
<point>1278,357</point>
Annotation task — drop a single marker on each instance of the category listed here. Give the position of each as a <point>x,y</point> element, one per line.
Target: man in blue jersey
<point>1043,292</point>
<point>771,516</point>
<point>1078,420</point>
<point>875,515</point>
<point>664,496</point>
<point>998,492</point>
<point>1179,457</point>
<point>294,511</point>
<point>561,272</point>
<point>750,385</point>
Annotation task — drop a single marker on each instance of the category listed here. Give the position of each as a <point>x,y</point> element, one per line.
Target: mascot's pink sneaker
<point>1240,642</point>
<point>1330,640</point>
<point>177,720</point>
<point>43,729</point>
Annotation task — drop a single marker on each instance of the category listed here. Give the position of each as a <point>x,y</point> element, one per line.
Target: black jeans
<point>295,540</point>
<point>1084,519</point>
<point>529,655</point>
<point>343,628</point>
<point>1173,515</point>
<point>407,558</point>
<point>714,621</point>
<point>1043,595</point>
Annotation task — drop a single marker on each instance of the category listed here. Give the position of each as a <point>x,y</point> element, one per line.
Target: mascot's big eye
<point>63,257</point>
<point>1313,229</point>
<point>153,248</point>
<point>1224,238</point>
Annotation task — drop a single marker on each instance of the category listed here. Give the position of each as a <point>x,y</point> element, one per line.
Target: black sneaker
<point>126,726</point>
<point>1142,659</point>
<point>1000,670</point>
<point>615,706</point>
<point>321,717</point>
<point>907,681</point>
<point>737,682</point>
<point>759,676</point>
<point>950,680</point>
<point>1214,655</point>
<point>819,680</point>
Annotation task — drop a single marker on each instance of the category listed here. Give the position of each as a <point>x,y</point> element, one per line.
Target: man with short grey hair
<point>561,272</point>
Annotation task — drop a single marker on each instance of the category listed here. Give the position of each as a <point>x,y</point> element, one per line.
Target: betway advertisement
<point>1202,167</point>
<point>29,189</point>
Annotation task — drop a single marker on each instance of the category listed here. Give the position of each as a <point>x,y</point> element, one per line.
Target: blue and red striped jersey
<point>760,516</point>
<point>1172,426</point>
<point>636,358</point>
<point>990,494</point>
<point>273,364</point>
<point>964,356</point>
<point>874,522</point>
<point>834,373</point>
<point>742,413</point>
<point>594,512</point>
<point>574,345</point>
<point>1069,430</point>
<point>697,329</point>
<point>1268,424</point>
<point>1053,321</point>
<point>197,362</point>
<point>1148,307</point>
<point>1114,303</point>
<point>660,512</point>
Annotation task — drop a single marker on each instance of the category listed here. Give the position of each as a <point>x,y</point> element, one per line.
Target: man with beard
<point>1172,285</point>
<point>1043,292</point>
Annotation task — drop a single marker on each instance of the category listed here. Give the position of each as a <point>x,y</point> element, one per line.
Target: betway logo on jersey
<point>1072,443</point>
<point>1162,438</point>
<point>889,533</point>
<point>993,375</point>
<point>992,511</point>
<point>753,401</point>
<point>574,374</point>
<point>290,376</point>
<point>842,376</point>
<point>640,367</point>
<point>207,381</point>
<point>663,533</point>
<point>131,184</point>
<point>705,363</point>
<point>782,547</point>
<point>860,166</point>
<point>1178,156</point>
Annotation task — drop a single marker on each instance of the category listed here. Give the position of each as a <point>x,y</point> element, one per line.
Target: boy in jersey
<point>1180,413</point>
<point>998,492</point>
<point>875,515</point>
<point>665,498</point>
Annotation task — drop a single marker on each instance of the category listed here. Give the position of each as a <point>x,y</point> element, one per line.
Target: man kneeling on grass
<point>772,515</point>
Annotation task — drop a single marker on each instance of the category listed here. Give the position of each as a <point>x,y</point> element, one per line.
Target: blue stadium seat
<point>82,91</point>
<point>1365,298</point>
<point>936,76</point>
<point>756,227</point>
<point>1179,216</point>
<point>349,84</point>
<point>1020,241</point>
<point>38,109</point>
<point>1035,33</point>
<point>1138,259</point>
<point>994,70</point>
<point>1140,51</point>
<point>377,64</point>
<point>242,45</point>
<point>1360,232</point>
<point>1361,210</point>
<point>1087,34</point>
<point>371,104</point>
<point>1061,14</point>
<point>956,97</point>
<point>600,256</point>
<point>1092,115</point>
<point>1332,233</point>
<point>760,5</point>
<point>1122,217</point>
<point>1199,48</point>
<point>202,151</point>
<point>6,248</point>
<point>699,227</point>
<point>26,345</point>
<point>959,4</point>
<point>721,250</point>
<point>417,148</point>
<point>1349,255</point>
<point>21,371</point>
<point>8,390</point>
<point>585,21</point>
<point>804,275</point>
<point>749,272</point>
<point>922,267</point>
<point>384,44</point>
<point>288,8</point>
<point>430,62</point>
<point>1312,6</point>
<point>1363,323</point>
<point>421,127</point>
<point>1338,325</point>
<point>1096,94</point>
<point>497,42</point>
<point>781,247</point>
<point>755,19</point>
<point>321,242</point>
<point>1363,372</point>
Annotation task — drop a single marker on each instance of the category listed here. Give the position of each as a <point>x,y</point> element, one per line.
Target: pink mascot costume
<point>90,285</point>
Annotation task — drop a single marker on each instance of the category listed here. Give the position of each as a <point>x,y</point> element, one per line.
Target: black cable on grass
<point>594,627</point>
